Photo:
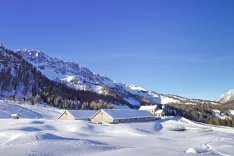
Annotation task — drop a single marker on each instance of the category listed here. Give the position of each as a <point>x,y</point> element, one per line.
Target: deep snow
<point>40,133</point>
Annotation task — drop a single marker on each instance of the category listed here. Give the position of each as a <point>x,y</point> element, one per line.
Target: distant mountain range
<point>80,78</point>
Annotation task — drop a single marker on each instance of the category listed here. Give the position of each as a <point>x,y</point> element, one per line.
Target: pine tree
<point>217,121</point>
<point>223,122</point>
<point>18,98</point>
<point>211,120</point>
<point>229,123</point>
<point>37,98</point>
<point>233,121</point>
<point>31,99</point>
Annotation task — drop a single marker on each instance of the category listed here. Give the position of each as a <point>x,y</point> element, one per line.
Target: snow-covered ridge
<point>229,96</point>
<point>43,62</point>
<point>81,78</point>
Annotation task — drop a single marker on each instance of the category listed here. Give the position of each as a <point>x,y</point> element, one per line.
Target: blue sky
<point>183,47</point>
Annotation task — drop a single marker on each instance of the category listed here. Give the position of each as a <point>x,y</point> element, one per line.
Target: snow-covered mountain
<point>229,96</point>
<point>21,81</point>
<point>81,78</point>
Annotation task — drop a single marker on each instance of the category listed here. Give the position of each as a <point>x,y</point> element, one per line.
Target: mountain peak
<point>134,87</point>
<point>229,96</point>
<point>55,68</point>
<point>1,45</point>
<point>31,53</point>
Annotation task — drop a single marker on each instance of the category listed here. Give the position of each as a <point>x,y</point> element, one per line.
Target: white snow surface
<point>166,100</point>
<point>148,107</point>
<point>27,111</point>
<point>133,101</point>
<point>160,111</point>
<point>191,150</point>
<point>134,87</point>
<point>229,96</point>
<point>82,114</point>
<point>127,113</point>
<point>39,133</point>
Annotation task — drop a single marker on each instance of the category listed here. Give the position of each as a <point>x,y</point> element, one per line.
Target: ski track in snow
<point>212,149</point>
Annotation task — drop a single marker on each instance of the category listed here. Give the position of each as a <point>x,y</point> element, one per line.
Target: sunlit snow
<point>38,132</point>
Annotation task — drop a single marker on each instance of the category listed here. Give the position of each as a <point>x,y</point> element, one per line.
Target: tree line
<point>202,113</point>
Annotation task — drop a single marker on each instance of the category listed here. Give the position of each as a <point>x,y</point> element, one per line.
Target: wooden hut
<point>15,116</point>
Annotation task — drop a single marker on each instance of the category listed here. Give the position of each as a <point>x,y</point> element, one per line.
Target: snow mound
<point>80,127</point>
<point>7,136</point>
<point>49,136</point>
<point>58,137</point>
<point>134,129</point>
<point>192,150</point>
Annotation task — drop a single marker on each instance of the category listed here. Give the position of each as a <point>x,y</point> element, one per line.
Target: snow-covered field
<point>39,133</point>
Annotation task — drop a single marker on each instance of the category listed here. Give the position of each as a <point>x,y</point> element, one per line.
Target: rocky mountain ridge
<point>228,97</point>
<point>81,78</point>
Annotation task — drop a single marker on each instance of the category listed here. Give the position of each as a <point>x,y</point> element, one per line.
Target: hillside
<point>81,78</point>
<point>20,80</point>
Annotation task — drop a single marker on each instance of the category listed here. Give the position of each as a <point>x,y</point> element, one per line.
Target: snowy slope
<point>46,111</point>
<point>120,106</point>
<point>81,78</point>
<point>229,96</point>
<point>6,110</point>
<point>28,111</point>
<point>56,137</point>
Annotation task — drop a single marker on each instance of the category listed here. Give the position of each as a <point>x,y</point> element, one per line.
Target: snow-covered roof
<point>148,107</point>
<point>160,111</point>
<point>127,113</point>
<point>15,115</point>
<point>82,114</point>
